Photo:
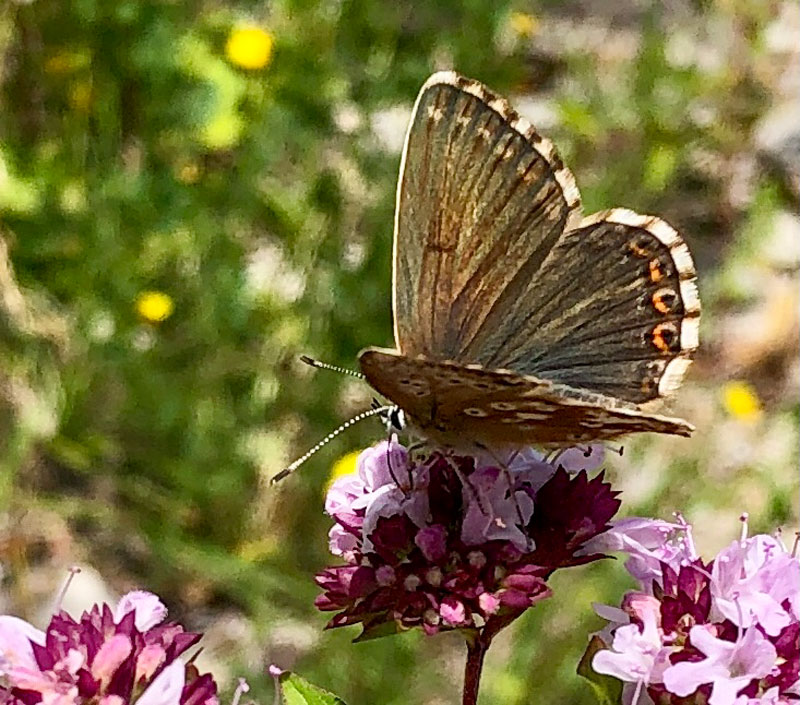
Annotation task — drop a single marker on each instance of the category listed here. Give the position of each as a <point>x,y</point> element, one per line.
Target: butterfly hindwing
<point>614,309</point>
<point>450,403</point>
<point>482,199</point>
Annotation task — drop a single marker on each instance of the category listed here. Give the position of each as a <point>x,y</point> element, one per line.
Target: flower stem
<point>476,650</point>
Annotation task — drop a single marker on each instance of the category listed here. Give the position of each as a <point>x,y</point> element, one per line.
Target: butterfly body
<point>517,321</point>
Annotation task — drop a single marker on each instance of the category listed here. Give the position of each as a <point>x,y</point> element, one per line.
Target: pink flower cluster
<point>450,541</point>
<point>724,632</point>
<point>109,657</point>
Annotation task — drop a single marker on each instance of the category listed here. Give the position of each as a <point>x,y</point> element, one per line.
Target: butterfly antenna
<point>375,411</point>
<point>311,362</point>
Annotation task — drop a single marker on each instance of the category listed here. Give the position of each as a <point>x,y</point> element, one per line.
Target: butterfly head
<point>393,417</point>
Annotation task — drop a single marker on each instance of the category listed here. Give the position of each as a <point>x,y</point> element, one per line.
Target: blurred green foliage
<point>136,156</point>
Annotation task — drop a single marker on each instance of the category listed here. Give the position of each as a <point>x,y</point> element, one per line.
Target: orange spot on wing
<point>656,272</point>
<point>664,300</point>
<point>637,249</point>
<point>664,334</point>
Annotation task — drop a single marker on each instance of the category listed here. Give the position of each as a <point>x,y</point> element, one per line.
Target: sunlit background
<point>192,194</point>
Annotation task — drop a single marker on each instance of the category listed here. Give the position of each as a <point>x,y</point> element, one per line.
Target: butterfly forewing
<point>453,404</point>
<point>481,201</point>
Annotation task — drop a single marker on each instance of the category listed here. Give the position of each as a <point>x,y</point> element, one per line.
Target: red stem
<point>476,650</point>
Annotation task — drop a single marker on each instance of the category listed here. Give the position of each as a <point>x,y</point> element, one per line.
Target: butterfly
<point>517,321</point>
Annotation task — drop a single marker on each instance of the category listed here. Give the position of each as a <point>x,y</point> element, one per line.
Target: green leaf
<point>607,689</point>
<point>298,691</point>
<point>376,632</point>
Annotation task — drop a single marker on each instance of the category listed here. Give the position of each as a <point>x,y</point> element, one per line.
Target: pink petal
<point>684,678</point>
<point>110,656</point>
<point>148,661</point>
<point>755,656</point>
<point>612,614</point>
<point>715,649</point>
<point>56,697</point>
<point>16,636</point>
<point>149,609</point>
<point>628,667</point>
<point>453,612</point>
<point>488,602</point>
<point>341,541</point>
<point>167,687</point>
<point>31,679</point>
<point>111,700</point>
<point>725,690</point>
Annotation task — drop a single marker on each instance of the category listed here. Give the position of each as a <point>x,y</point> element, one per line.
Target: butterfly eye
<point>396,419</point>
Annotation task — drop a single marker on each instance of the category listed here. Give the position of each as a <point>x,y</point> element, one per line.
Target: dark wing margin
<point>482,198</point>
<point>614,309</point>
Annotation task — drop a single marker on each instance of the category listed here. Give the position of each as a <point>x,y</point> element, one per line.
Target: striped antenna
<point>325,366</point>
<point>375,411</point>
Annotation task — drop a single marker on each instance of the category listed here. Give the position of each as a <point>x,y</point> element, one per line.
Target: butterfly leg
<point>415,446</point>
<point>414,451</point>
<point>405,490</point>
<point>591,452</point>
<point>553,456</point>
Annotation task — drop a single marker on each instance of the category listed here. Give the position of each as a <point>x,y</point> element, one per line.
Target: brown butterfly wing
<point>614,309</point>
<point>451,404</point>
<point>481,201</point>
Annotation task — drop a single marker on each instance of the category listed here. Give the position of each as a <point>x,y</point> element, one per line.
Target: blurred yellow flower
<point>154,306</point>
<point>524,24</point>
<point>344,466</point>
<point>741,400</point>
<point>249,47</point>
